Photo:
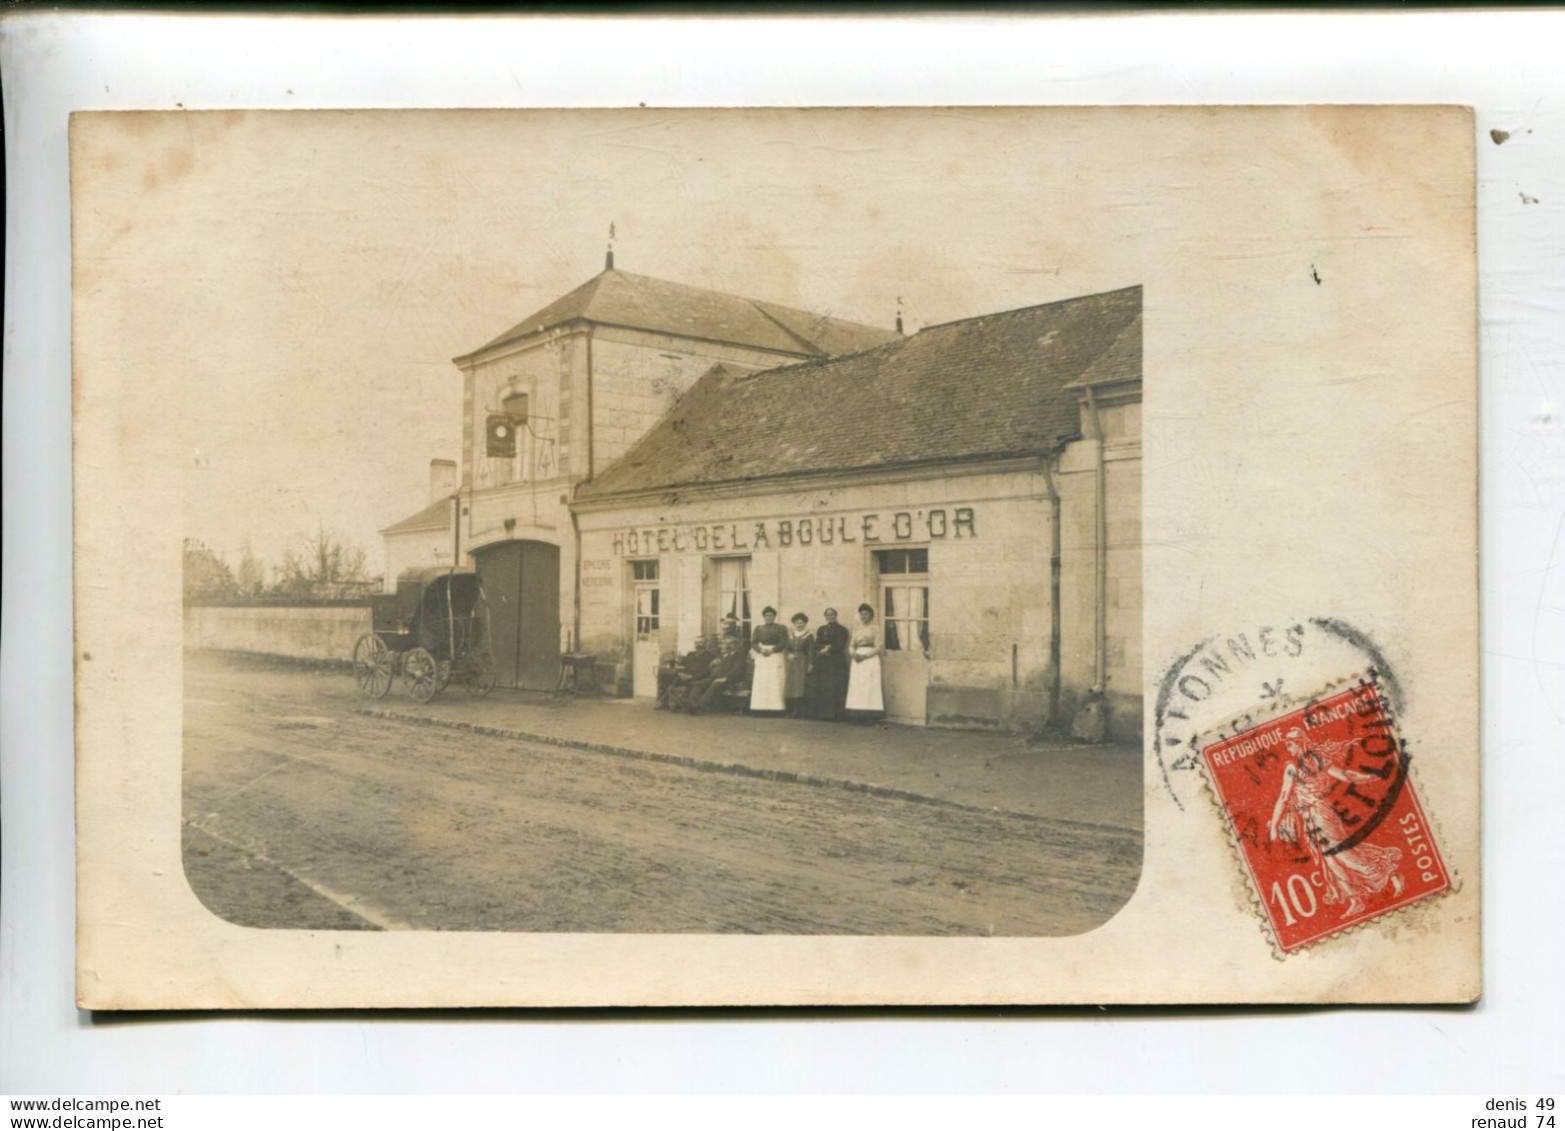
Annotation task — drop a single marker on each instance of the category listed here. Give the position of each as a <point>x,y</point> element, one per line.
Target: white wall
<point>415,549</point>
<point>989,581</point>
<point>302,633</point>
<point>1077,484</point>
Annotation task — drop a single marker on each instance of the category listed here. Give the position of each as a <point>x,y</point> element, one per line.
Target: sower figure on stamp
<point>1304,815</point>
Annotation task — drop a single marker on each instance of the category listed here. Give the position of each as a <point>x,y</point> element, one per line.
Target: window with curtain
<point>904,598</point>
<point>733,579</point>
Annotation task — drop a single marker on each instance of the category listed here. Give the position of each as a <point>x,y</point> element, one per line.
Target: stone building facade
<point>978,484</point>
<point>641,458</point>
<point>559,397</point>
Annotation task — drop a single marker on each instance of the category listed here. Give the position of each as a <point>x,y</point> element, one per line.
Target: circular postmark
<point>1292,729</point>
<point>1224,682</point>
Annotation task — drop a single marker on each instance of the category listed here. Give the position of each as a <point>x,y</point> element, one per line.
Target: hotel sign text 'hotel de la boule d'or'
<point>641,458</point>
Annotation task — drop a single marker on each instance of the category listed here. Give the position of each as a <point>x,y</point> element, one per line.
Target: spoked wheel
<point>422,674</point>
<point>372,666</point>
<point>478,675</point>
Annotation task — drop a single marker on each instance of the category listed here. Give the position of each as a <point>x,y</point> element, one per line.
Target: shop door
<point>904,618</point>
<point>522,583</point>
<point>646,612</point>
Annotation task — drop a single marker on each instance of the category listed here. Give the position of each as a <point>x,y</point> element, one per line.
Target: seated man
<point>727,671</point>
<point>675,677</point>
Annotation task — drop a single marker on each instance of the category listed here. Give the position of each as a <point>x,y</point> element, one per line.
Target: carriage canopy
<point>434,628</point>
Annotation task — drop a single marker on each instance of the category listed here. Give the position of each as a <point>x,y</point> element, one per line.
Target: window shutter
<point>689,602</point>
<point>765,583</point>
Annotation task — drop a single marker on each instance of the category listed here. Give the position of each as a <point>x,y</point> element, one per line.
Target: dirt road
<point>301,813</point>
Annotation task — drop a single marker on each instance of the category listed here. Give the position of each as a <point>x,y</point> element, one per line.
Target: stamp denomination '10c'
<point>1325,818</point>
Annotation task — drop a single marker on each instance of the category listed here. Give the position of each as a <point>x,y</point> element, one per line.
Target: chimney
<point>442,479</point>
<point>608,260</point>
<point>899,314</point>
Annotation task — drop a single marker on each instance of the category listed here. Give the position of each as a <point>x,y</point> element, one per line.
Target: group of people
<point>828,673</point>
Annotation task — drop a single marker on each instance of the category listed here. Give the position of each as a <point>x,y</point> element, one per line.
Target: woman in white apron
<point>769,649</point>
<point>864,698</point>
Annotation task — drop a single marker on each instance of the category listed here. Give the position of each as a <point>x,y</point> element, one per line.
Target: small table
<point>571,665</point>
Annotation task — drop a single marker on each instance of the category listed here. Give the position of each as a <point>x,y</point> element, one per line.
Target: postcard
<point>873,556</point>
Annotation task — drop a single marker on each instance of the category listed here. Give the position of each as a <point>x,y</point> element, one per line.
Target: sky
<point>310,275</point>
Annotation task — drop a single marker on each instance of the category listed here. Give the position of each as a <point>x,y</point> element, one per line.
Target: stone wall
<point>298,632</point>
<point>638,377</point>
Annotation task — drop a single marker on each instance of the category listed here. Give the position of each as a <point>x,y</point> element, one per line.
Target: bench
<point>733,697</point>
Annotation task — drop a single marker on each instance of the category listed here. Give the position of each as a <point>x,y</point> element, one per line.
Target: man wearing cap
<point>674,679</point>
<point>727,671</point>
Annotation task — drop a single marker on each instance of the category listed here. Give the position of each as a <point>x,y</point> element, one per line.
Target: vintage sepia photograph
<point>778,569</point>
<point>703,556</point>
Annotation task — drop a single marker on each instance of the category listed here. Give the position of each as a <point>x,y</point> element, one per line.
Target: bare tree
<point>252,572</point>
<point>207,577</point>
<point>325,566</point>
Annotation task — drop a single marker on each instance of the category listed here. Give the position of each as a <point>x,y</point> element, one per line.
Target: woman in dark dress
<point>829,679</point>
<point>801,652</point>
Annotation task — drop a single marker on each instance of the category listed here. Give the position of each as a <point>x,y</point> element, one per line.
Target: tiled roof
<point>436,516</point>
<point>1120,362</point>
<point>618,298</point>
<point>981,388</point>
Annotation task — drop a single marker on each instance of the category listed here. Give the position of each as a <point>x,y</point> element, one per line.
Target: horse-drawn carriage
<point>434,630</point>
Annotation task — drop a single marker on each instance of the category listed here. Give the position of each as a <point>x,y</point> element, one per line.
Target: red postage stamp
<point>1324,815</point>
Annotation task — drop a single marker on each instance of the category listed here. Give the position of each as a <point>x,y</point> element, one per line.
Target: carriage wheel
<point>422,674</point>
<point>479,674</point>
<point>372,666</point>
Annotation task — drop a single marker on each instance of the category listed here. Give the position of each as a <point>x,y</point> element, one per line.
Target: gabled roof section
<point>619,298</point>
<point>987,387</point>
<point>1119,363</point>
<point>436,516</point>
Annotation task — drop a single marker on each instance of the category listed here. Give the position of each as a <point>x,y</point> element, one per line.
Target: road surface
<point>301,813</point>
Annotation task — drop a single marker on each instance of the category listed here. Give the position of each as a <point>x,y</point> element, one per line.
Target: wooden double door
<point>522,584</point>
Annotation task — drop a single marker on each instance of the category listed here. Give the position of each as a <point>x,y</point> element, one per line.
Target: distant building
<point>426,538</point>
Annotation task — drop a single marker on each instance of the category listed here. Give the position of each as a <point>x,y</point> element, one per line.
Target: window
<point>647,619</point>
<point>902,561</point>
<point>648,602</point>
<point>733,579</point>
<point>904,598</point>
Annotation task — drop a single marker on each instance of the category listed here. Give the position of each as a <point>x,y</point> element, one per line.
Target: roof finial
<point>899,314</point>
<point>608,260</point>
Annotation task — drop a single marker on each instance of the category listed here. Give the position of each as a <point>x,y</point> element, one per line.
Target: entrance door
<point>904,618</point>
<point>522,582</point>
<point>647,629</point>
